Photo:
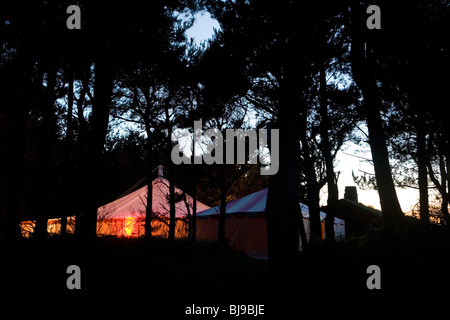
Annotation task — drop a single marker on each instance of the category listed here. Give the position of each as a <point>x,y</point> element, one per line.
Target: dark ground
<point>170,276</point>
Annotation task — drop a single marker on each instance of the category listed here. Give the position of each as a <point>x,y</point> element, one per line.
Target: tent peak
<point>160,171</point>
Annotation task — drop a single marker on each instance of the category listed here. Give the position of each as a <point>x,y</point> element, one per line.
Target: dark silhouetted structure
<point>358,217</point>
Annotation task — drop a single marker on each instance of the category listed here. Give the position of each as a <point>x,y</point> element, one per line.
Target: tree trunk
<point>172,213</point>
<point>83,137</point>
<point>172,222</point>
<point>445,163</point>
<point>312,187</point>
<point>194,204</point>
<point>282,205</point>
<point>47,139</point>
<point>444,168</point>
<point>363,65</point>
<point>67,175</point>
<point>171,169</point>
<point>423,173</point>
<point>15,98</point>
<point>149,207</point>
<point>223,205</point>
<point>385,184</point>
<point>103,85</point>
<point>440,185</point>
<point>326,150</point>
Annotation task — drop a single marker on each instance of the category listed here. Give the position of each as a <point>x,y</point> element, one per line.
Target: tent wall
<point>245,226</point>
<point>244,233</point>
<point>53,227</point>
<point>248,233</point>
<point>339,229</point>
<point>135,227</point>
<point>125,227</point>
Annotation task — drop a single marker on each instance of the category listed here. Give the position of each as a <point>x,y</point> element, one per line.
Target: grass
<point>414,264</point>
<point>158,268</point>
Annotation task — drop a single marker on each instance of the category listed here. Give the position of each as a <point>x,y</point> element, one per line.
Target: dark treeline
<point>86,113</point>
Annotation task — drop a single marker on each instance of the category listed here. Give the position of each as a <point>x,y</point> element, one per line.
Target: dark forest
<point>93,93</point>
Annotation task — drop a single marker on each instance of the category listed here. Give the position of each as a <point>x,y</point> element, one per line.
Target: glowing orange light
<point>128,227</point>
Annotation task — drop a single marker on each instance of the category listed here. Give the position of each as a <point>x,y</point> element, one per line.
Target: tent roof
<point>134,203</point>
<point>253,204</point>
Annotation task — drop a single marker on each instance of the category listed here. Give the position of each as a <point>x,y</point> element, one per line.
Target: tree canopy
<point>86,112</point>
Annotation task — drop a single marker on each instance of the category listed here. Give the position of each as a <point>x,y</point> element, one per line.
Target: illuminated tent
<point>245,225</point>
<point>126,215</point>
